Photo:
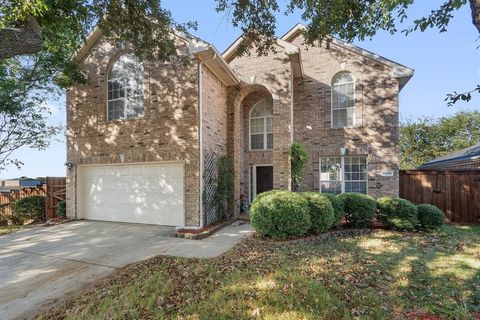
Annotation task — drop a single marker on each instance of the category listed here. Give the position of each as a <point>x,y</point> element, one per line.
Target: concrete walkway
<point>43,265</point>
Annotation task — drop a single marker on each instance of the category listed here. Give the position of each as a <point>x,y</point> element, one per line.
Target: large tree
<point>426,139</point>
<point>38,38</point>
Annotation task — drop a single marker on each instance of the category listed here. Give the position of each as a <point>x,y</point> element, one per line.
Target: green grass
<point>8,229</point>
<point>386,275</point>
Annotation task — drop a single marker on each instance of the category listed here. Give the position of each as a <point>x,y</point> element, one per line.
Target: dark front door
<point>264,178</point>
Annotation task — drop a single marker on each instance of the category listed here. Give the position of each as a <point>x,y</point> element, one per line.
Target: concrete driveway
<point>44,265</point>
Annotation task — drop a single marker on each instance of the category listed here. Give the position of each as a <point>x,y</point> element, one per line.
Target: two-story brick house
<point>142,134</point>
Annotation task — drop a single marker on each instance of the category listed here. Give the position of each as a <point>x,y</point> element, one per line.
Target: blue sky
<point>442,62</point>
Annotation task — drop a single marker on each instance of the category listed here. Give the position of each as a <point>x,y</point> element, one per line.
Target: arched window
<point>125,88</point>
<point>343,100</point>
<point>261,131</point>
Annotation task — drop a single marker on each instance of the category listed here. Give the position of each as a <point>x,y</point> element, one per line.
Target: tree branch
<point>475,6</point>
<point>20,41</point>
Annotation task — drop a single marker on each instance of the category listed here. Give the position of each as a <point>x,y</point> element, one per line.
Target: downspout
<point>200,129</point>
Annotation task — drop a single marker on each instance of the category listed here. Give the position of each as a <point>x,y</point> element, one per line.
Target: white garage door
<point>143,193</point>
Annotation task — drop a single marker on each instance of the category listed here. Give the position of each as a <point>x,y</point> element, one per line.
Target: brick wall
<point>168,131</point>
<point>376,115</point>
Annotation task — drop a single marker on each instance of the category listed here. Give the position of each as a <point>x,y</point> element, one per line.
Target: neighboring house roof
<point>461,156</point>
<point>399,71</point>
<point>203,50</point>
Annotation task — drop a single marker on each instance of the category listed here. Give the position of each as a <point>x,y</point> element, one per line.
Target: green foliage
<point>430,217</point>
<point>223,192</point>
<point>29,208</point>
<point>299,157</point>
<point>338,207</point>
<point>346,19</point>
<point>359,209</point>
<point>397,213</point>
<point>321,212</point>
<point>61,209</point>
<point>280,214</point>
<point>428,139</point>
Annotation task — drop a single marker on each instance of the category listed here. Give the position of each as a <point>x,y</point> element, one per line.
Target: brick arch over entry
<point>282,136</point>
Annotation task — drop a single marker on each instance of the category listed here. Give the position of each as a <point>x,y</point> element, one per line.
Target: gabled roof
<point>290,49</point>
<point>461,156</point>
<point>199,48</point>
<point>399,71</point>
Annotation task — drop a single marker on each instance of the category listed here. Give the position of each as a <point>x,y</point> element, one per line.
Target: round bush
<point>397,213</point>
<point>321,212</point>
<point>359,209</point>
<point>280,214</point>
<point>338,208</point>
<point>29,208</point>
<point>430,217</point>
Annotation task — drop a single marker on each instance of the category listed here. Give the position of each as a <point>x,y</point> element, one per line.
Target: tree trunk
<point>475,5</point>
<point>19,41</point>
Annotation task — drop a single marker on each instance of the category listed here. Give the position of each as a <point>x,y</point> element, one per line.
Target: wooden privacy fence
<point>14,195</point>
<point>457,192</point>
<point>56,190</point>
<point>53,190</point>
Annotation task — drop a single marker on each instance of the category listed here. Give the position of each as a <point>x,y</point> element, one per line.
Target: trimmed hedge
<point>397,213</point>
<point>359,209</point>
<point>430,217</point>
<point>338,208</point>
<point>280,214</point>
<point>29,208</point>
<point>321,212</point>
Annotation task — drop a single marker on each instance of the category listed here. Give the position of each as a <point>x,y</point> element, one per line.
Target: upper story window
<point>125,89</point>
<point>343,100</point>
<point>261,129</point>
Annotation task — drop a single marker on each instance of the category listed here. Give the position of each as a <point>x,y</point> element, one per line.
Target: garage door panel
<point>152,193</point>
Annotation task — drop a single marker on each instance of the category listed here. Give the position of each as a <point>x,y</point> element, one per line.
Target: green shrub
<point>321,211</point>
<point>430,217</point>
<point>359,209</point>
<point>338,208</point>
<point>61,209</point>
<point>280,214</point>
<point>29,208</point>
<point>397,213</point>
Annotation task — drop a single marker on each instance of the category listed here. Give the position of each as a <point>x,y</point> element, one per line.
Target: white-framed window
<point>261,126</point>
<point>125,89</point>
<point>343,174</point>
<point>343,100</point>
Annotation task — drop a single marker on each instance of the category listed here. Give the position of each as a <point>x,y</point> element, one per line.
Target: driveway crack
<point>68,259</point>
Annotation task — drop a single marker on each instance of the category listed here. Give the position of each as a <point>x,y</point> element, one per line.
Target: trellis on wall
<point>209,187</point>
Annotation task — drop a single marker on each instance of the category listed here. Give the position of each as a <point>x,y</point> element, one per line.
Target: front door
<point>264,179</point>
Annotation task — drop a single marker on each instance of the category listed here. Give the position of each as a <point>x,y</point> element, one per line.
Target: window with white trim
<point>261,126</point>
<point>125,89</point>
<point>343,174</point>
<point>343,100</point>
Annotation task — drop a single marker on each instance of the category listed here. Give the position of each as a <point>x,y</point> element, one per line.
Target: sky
<point>443,63</point>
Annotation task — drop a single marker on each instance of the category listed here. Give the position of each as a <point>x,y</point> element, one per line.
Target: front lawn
<point>386,275</point>
<point>8,229</point>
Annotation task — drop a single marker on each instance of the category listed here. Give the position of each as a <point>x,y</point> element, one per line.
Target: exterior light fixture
<point>69,166</point>
<point>343,151</point>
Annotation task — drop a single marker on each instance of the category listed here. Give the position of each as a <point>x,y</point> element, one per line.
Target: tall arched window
<point>261,131</point>
<point>125,88</point>
<point>343,100</point>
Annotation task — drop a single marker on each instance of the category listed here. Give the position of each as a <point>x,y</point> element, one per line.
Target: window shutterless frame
<point>335,77</point>
<point>342,172</point>
<point>265,131</point>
